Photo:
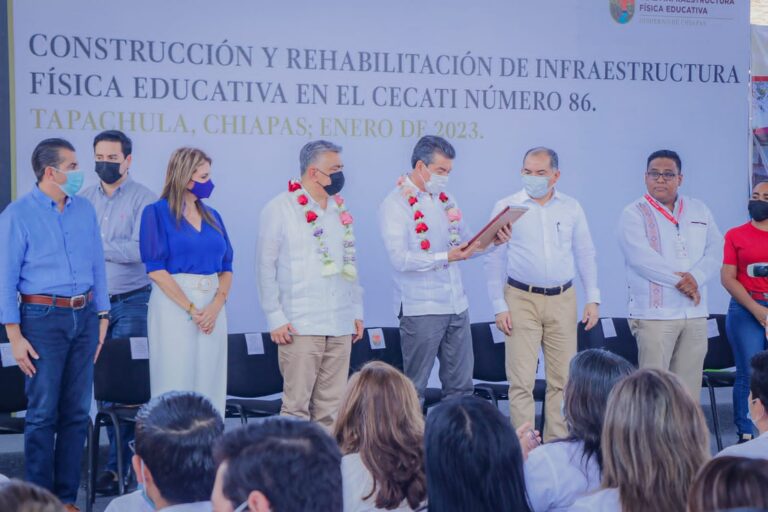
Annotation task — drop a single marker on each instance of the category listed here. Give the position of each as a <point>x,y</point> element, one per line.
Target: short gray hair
<point>554,161</point>
<point>314,149</point>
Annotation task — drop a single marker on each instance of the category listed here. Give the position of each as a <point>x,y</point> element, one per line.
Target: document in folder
<point>506,216</point>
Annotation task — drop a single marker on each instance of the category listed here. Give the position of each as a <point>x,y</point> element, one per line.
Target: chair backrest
<point>489,356</point>
<point>118,377</point>
<point>252,375</point>
<point>13,398</point>
<point>719,353</point>
<point>623,344</point>
<point>391,353</point>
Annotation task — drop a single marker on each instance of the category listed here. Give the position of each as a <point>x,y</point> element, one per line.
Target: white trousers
<point>181,357</point>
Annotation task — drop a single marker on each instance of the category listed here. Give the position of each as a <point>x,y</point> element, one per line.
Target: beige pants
<point>538,322</point>
<point>675,345</point>
<point>315,370</point>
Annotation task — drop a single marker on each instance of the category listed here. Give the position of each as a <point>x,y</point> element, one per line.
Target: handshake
<point>689,287</point>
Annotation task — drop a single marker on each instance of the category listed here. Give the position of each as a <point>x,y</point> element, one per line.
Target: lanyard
<point>671,218</point>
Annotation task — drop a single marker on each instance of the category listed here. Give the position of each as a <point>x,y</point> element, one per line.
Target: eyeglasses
<point>655,175</point>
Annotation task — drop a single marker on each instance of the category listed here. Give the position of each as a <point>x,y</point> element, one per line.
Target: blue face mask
<point>74,182</point>
<point>536,186</point>
<point>144,490</point>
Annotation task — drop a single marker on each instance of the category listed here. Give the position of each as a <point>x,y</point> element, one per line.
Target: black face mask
<point>758,210</point>
<point>109,172</point>
<point>337,183</point>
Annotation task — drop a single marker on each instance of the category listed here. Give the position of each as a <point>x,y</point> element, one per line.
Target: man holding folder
<point>425,235</point>
<point>530,282</point>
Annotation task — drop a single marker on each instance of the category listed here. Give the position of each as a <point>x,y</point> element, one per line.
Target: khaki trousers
<point>675,345</point>
<point>547,323</point>
<point>315,370</point>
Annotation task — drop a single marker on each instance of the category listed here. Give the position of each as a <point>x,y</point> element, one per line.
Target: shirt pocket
<point>564,233</point>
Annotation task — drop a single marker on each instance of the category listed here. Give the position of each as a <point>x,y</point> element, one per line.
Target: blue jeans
<point>127,318</point>
<point>747,338</point>
<point>59,394</point>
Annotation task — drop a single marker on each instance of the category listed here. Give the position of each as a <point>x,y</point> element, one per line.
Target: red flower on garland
<point>421,227</point>
<point>418,215</point>
<point>293,186</point>
<point>302,199</point>
<point>425,245</point>
<point>443,197</point>
<point>412,200</point>
<point>311,216</point>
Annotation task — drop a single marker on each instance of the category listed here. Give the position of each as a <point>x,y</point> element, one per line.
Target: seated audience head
<point>380,418</point>
<point>654,441</point>
<point>730,483</point>
<point>175,434</point>
<point>758,391</point>
<point>592,375</point>
<point>18,496</point>
<point>278,465</point>
<point>473,459</point>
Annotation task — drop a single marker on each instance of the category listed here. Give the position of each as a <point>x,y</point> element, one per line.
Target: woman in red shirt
<point>746,253</point>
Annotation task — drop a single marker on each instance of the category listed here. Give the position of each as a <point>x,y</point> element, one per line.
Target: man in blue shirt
<point>54,305</point>
<point>119,201</point>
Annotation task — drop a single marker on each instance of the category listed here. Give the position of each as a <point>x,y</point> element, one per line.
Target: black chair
<point>489,368</point>
<point>13,398</point>
<point>390,352</point>
<point>250,377</point>
<point>718,371</point>
<point>623,344</point>
<point>122,382</point>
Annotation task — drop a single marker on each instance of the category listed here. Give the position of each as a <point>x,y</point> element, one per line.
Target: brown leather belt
<point>76,302</point>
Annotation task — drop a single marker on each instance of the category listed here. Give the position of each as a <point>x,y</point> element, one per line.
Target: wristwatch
<point>104,316</point>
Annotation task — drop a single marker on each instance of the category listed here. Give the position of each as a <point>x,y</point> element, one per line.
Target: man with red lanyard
<point>744,276</point>
<point>672,247</point>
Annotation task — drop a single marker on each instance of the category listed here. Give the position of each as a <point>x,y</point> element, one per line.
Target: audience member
<point>175,433</point>
<point>380,430</point>
<point>758,410</point>
<point>559,472</point>
<point>473,459</point>
<point>730,483</point>
<point>18,496</point>
<point>654,441</point>
<point>278,465</point>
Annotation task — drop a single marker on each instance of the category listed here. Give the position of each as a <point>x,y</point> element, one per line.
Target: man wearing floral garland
<point>308,287</point>
<point>423,232</point>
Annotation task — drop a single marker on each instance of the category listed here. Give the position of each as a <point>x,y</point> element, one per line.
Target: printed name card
<point>254,343</point>
<point>139,348</point>
<point>6,355</point>
<point>609,328</point>
<point>376,339</point>
<point>541,371</point>
<point>712,330</point>
<point>497,334</point>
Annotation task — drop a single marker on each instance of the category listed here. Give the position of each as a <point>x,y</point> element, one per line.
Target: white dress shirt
<point>604,500</point>
<point>425,283</point>
<point>754,449</point>
<point>556,474</point>
<point>135,502</point>
<point>651,277</point>
<point>357,482</point>
<point>289,270</point>
<point>548,244</point>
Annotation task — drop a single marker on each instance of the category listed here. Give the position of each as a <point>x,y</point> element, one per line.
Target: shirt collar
<point>42,198</point>
<point>118,189</point>
<point>523,197</point>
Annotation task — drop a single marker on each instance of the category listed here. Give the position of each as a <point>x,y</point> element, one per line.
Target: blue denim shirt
<point>50,252</point>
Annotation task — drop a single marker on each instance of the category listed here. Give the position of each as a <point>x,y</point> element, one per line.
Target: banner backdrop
<point>604,83</point>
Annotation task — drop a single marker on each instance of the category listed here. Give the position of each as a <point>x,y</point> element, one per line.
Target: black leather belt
<point>122,296</point>
<point>557,290</point>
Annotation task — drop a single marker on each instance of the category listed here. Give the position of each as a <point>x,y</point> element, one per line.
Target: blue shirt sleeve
<point>100,290</point>
<point>153,240</point>
<point>11,258</point>
<point>229,253</point>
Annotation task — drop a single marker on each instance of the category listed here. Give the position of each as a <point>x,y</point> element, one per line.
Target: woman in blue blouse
<point>188,257</point>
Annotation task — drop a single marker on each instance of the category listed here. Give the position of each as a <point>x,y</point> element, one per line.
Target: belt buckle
<point>77,302</point>
<point>204,284</point>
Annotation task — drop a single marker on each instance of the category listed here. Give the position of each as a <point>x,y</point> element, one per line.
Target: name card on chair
<point>139,348</point>
<point>497,335</point>
<point>541,369</point>
<point>376,339</point>
<point>6,355</point>
<point>712,330</point>
<point>609,328</point>
<point>254,343</point>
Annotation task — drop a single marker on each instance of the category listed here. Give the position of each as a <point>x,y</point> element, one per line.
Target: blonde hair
<point>380,418</point>
<point>654,441</point>
<point>182,165</point>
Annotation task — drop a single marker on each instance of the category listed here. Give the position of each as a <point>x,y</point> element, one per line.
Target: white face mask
<point>437,183</point>
<point>536,186</point>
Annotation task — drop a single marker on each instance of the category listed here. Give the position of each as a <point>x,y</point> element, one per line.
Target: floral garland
<point>348,269</point>
<point>420,225</point>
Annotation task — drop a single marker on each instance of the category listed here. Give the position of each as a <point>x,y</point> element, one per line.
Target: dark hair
<point>305,458</point>
<point>473,459</point>
<point>758,382</point>
<point>591,377</point>
<point>126,146</point>
<point>666,153</point>
<point>554,160</point>
<point>175,433</point>
<point>46,154</point>
<point>426,148</point>
<point>18,496</point>
<point>729,483</point>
